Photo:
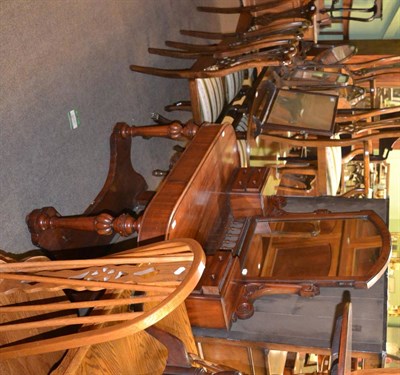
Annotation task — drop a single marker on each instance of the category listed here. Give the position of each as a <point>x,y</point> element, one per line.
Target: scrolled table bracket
<point>252,291</point>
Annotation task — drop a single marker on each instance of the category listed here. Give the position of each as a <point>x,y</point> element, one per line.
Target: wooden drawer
<point>215,274</point>
<point>246,192</point>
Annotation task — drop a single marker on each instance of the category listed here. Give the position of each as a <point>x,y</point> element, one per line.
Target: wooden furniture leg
<point>179,361</point>
<point>124,191</point>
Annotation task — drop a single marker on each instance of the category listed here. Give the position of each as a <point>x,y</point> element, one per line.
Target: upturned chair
<point>366,73</point>
<point>162,274</point>
<point>373,11</point>
<point>370,73</point>
<point>329,164</point>
<point>214,82</point>
<point>275,6</point>
<point>279,26</point>
<point>227,49</point>
<point>342,15</point>
<point>217,75</point>
<point>210,97</point>
<point>263,14</point>
<point>347,131</point>
<point>220,67</point>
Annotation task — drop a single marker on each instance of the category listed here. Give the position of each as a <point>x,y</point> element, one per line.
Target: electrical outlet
<point>73,118</point>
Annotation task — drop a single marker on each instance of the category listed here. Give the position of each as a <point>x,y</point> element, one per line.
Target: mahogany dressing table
<point>208,197</point>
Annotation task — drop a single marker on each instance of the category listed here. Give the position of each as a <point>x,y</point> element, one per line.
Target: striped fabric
<point>333,169</point>
<point>243,124</point>
<point>243,147</point>
<point>214,93</point>
<point>243,152</point>
<point>211,97</point>
<point>241,144</point>
<point>233,84</point>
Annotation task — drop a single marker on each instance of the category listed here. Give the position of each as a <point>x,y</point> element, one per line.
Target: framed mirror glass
<point>326,249</point>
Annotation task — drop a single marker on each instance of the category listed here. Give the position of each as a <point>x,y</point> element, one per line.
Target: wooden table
<point>206,196</point>
<point>192,200</point>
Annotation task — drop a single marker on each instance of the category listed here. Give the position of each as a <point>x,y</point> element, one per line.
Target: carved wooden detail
<point>173,130</point>
<point>252,291</point>
<point>103,224</point>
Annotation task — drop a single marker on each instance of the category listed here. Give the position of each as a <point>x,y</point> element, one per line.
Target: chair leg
<point>160,119</point>
<point>192,47</point>
<point>178,73</point>
<point>179,106</point>
<point>233,10</point>
<point>175,53</point>
<point>207,34</point>
<point>260,60</point>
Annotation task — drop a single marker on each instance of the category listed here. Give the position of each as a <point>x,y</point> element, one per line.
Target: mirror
<point>297,253</point>
<point>332,249</point>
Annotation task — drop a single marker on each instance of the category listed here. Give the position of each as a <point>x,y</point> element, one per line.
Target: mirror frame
<point>253,288</point>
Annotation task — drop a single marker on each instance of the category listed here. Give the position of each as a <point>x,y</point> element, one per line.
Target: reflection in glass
<point>312,248</point>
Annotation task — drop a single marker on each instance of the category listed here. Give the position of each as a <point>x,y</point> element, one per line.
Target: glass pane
<point>312,248</point>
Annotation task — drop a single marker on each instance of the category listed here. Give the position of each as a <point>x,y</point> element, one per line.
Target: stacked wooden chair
<point>269,11</point>
<point>224,70</point>
<point>48,307</point>
<point>339,16</point>
<point>331,70</point>
<point>328,163</point>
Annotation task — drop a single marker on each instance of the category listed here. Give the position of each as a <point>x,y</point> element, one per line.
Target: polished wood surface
<point>342,341</point>
<point>139,353</point>
<point>161,274</point>
<point>246,196</point>
<point>197,199</point>
<point>38,364</point>
<point>122,190</point>
<point>215,307</point>
<point>192,199</point>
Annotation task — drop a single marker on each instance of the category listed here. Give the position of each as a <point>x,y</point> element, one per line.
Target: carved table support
<point>173,130</point>
<point>252,291</point>
<point>46,218</point>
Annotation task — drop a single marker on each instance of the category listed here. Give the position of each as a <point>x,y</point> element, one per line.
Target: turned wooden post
<point>104,224</point>
<point>174,130</point>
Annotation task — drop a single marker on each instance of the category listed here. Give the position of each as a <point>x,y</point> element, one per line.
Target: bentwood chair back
<point>162,274</point>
